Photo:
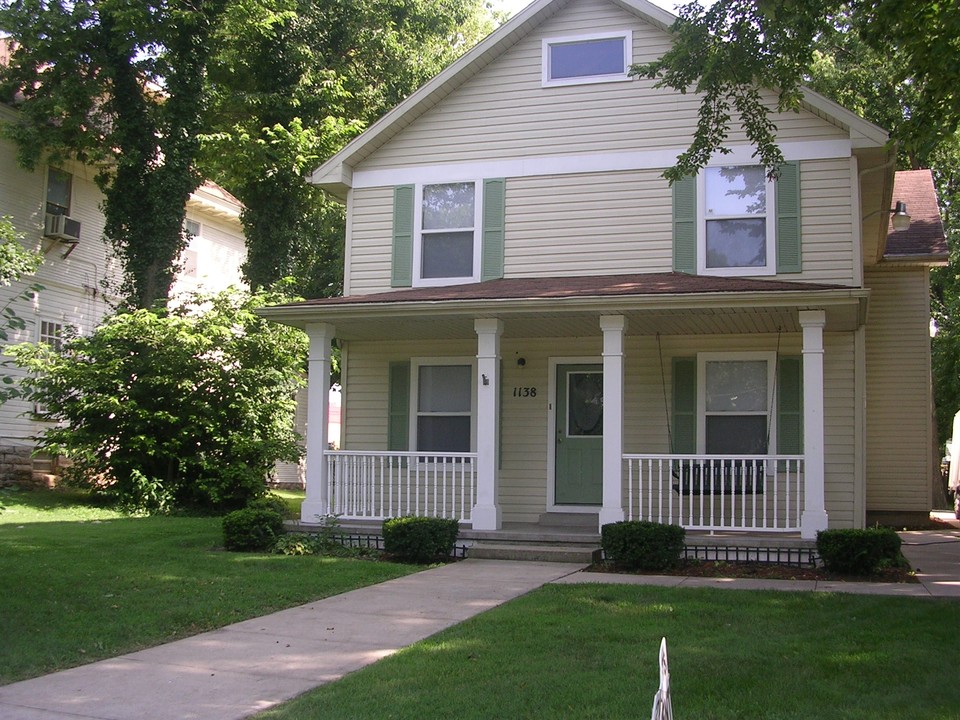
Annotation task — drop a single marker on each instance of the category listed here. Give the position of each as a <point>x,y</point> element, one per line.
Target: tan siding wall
<point>504,112</point>
<point>899,411</point>
<point>525,436</point>
<point>607,223</point>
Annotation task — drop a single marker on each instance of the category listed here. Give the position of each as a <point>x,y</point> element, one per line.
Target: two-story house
<point>536,323</point>
<point>57,211</point>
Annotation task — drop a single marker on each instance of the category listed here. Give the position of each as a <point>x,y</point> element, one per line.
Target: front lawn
<point>83,582</point>
<point>589,651</point>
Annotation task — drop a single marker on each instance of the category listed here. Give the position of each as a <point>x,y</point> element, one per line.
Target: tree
<point>733,48</point>
<point>292,82</point>
<point>189,407</point>
<point>120,86</point>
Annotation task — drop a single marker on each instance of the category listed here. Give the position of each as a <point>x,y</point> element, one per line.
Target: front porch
<point>756,371</point>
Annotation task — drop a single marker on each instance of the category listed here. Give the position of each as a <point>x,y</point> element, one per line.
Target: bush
<point>642,545</point>
<point>858,552</point>
<point>307,544</point>
<point>187,408</point>
<point>251,529</point>
<point>420,539</point>
<point>271,502</point>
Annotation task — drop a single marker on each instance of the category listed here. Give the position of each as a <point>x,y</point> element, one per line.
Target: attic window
<point>587,58</point>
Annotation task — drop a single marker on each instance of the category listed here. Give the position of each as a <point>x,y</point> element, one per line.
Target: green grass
<point>82,582</point>
<point>587,651</point>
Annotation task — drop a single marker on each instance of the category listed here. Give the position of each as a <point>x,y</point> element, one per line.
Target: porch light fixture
<point>901,219</point>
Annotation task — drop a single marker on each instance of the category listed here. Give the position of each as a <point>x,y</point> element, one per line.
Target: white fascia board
<point>336,170</point>
<point>862,132</point>
<point>579,164</point>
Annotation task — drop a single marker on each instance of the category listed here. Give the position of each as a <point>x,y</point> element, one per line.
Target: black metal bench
<point>734,477</point>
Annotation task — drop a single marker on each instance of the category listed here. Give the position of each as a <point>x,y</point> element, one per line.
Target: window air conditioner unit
<point>61,227</point>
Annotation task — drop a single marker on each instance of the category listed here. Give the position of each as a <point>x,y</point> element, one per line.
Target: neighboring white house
<point>57,210</point>
<point>536,323</point>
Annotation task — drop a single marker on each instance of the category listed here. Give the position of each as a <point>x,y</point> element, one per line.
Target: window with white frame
<point>735,412</point>
<point>59,191</point>
<point>51,333</point>
<point>736,229</point>
<point>604,57</point>
<point>191,228</point>
<point>447,247</point>
<point>443,407</point>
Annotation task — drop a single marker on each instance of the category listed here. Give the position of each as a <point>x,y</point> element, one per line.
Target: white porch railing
<point>378,485</point>
<point>716,492</point>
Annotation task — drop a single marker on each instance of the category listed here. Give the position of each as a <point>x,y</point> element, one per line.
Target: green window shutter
<point>402,260</point>
<point>788,218</point>
<point>684,405</point>
<point>790,406</point>
<point>491,254</point>
<point>685,225</point>
<point>398,408</point>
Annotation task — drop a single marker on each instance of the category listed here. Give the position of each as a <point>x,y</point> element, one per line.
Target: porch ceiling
<point>569,309</point>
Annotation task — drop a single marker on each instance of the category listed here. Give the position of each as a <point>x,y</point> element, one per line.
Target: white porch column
<point>613,327</point>
<point>486,513</point>
<point>814,515</point>
<point>316,504</point>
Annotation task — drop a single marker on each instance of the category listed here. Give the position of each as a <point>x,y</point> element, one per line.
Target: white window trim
<point>771,411</point>
<point>771,267</point>
<point>545,79</point>
<point>418,280</point>
<point>414,409</point>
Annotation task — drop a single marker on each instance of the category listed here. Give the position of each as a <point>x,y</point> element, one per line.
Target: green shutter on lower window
<point>398,407</point>
<point>685,225</point>
<point>684,405</point>
<point>401,269</point>
<point>494,221</point>
<point>790,406</point>
<point>788,219</point>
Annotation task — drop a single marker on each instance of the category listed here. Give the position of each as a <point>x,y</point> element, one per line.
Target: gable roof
<point>925,239</point>
<point>335,175</point>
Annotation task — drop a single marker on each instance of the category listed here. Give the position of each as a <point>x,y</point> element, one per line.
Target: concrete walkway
<point>250,666</point>
<point>244,668</point>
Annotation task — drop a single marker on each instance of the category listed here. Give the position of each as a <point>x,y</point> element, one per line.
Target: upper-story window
<point>448,233</point>
<point>580,59</point>
<point>59,190</point>
<point>448,247</point>
<point>732,220</point>
<point>737,230</point>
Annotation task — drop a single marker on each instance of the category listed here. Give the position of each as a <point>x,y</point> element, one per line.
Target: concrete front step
<point>535,553</point>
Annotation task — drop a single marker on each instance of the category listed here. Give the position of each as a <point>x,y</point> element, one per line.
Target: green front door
<point>579,435</point>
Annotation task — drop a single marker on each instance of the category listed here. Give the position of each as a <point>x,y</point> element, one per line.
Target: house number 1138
<point>525,392</point>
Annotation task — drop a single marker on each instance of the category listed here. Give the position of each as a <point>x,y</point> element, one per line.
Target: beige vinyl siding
<point>504,112</point>
<point>369,251</point>
<point>899,405</point>
<point>609,223</point>
<point>525,436</point>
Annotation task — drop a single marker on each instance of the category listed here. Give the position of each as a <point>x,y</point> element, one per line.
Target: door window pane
<point>585,404</point>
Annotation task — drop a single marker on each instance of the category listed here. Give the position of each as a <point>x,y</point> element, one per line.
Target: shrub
<point>167,409</point>
<point>642,545</point>
<point>271,502</point>
<point>420,539</point>
<point>307,544</point>
<point>858,552</point>
<point>251,529</point>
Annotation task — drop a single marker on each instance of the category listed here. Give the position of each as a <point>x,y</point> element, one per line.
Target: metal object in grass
<point>662,706</point>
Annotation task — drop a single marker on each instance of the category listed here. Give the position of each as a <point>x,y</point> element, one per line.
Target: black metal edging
<point>789,556</point>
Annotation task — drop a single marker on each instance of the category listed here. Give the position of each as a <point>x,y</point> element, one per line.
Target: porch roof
<point>666,303</point>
